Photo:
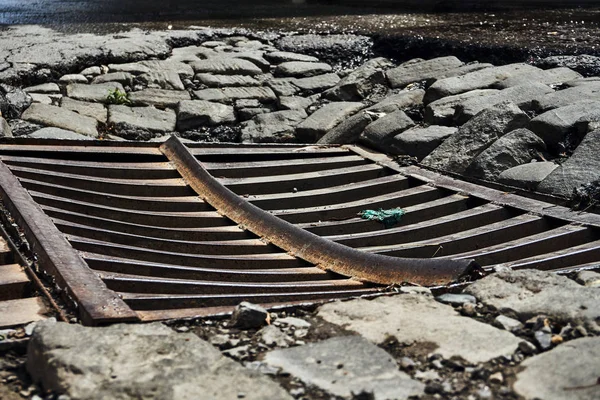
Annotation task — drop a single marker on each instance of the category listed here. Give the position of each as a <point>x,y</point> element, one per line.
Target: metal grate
<point>146,232</point>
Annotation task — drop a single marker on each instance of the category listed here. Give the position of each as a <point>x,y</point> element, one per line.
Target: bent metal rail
<point>146,231</point>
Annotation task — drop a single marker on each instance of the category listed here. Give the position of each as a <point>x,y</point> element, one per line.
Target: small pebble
<point>527,348</point>
<point>506,323</point>
<point>544,339</point>
<point>557,339</point>
<point>407,363</point>
<point>497,378</point>
<point>456,299</point>
<point>182,329</point>
<point>468,309</point>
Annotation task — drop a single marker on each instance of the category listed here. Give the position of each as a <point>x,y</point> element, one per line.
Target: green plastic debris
<point>389,217</point>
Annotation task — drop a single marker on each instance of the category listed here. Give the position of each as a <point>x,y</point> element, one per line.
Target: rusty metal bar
<point>97,303</point>
<point>305,245</point>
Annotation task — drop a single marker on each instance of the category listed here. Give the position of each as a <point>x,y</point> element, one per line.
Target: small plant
<point>116,96</point>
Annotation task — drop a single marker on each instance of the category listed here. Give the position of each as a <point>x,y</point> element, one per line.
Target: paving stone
<point>301,69</point>
<point>278,57</point>
<point>349,130</point>
<point>138,361</point>
<point>329,48</point>
<point>158,97</point>
<point>135,68</point>
<point>379,133</point>
<point>97,93</point>
<point>230,94</point>
<point>529,293</point>
<point>13,102</point>
<point>458,71</point>
<point>568,96</point>
<point>406,74</point>
<point>554,76</point>
<point>191,53</point>
<point>255,57</point>
<point>325,119</point>
<point>514,148</point>
<point>196,113</point>
<point>184,70</point>
<point>414,319</point>
<point>73,78</point>
<point>522,96</point>
<point>60,118</point>
<point>43,88</point>
<point>217,81</point>
<point>295,102</point>
<point>360,83</point>
<point>147,118</point>
<point>399,101</point>
<point>419,142</point>
<point>276,127</point>
<point>482,79</point>
<point>456,299</point>
<point>553,125</point>
<point>57,133</point>
<point>441,112</point>
<point>581,168</point>
<point>527,176</point>
<point>94,110</point>
<point>589,278</point>
<point>124,78</point>
<point>570,371</point>
<point>226,66</point>
<point>459,150</point>
<point>506,323</point>
<point>163,79</point>
<point>283,86</point>
<point>345,367</point>
<point>317,83</point>
<point>42,98</point>
<point>5,130</point>
<point>91,71</point>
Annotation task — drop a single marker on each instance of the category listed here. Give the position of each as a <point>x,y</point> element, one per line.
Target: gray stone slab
<point>553,125</point>
<point>529,293</point>
<point>379,133</point>
<point>399,101</point>
<point>345,367</point>
<point>45,98</point>
<point>279,126</point>
<point>60,118</point>
<point>255,57</point>
<point>158,97</point>
<point>295,102</point>
<point>554,76</point>
<point>5,130</point>
<point>419,142</point>
<point>57,133</point>
<point>91,71</point>
<point>148,361</point>
<point>568,96</point>
<point>482,79</point>
<point>189,54</point>
<point>283,86</point>
<point>230,94</point>
<point>360,83</point>
<point>441,112</point>
<point>514,148</point>
<point>95,93</point>
<point>147,118</point>
<point>124,78</point>
<point>325,119</point>
<point>278,57</point>
<point>195,113</point>
<point>581,168</point>
<point>458,71</point>
<point>226,66</point>
<point>527,176</point>
<point>521,95</point>
<point>43,88</point>
<point>166,79</point>
<point>301,69</point>
<point>94,110</point>
<point>217,81</point>
<point>135,68</point>
<point>349,130</point>
<point>420,71</point>
<point>183,69</point>
<point>569,371</point>
<point>459,150</point>
<point>414,318</point>
<point>73,78</point>
<point>317,83</point>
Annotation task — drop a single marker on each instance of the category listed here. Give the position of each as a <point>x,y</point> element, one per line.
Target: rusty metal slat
<point>305,245</point>
<point>105,263</point>
<point>296,152</point>
<point>120,170</point>
<point>554,239</point>
<point>138,284</point>
<point>332,194</point>
<point>281,167</point>
<point>483,236</point>
<point>228,232</point>
<point>98,303</point>
<point>420,212</point>
<point>233,247</point>
<point>245,261</point>
<point>442,226</point>
<point>593,266</point>
<point>156,302</point>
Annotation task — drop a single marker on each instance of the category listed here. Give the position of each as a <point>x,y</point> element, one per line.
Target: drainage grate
<point>146,232</point>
